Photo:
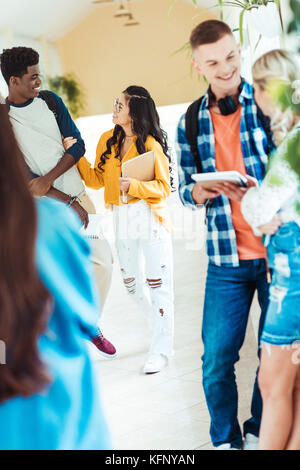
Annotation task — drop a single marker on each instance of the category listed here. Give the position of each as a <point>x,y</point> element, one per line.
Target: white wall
<point>49,57</point>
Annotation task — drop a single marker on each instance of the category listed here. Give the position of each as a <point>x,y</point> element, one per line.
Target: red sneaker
<point>105,348</point>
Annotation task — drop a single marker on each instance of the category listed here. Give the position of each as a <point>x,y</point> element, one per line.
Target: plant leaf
<point>277,2</point>
<point>293,154</point>
<point>185,47</point>
<point>258,41</point>
<point>171,6</point>
<point>241,26</point>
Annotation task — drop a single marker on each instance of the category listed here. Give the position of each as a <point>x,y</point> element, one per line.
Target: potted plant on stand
<point>288,96</point>
<point>70,90</point>
<point>294,26</point>
<point>264,15</point>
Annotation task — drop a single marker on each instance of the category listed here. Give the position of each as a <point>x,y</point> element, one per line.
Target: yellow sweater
<point>153,192</point>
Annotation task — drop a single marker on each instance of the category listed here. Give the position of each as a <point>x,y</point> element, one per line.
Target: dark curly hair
<point>145,122</point>
<point>15,61</point>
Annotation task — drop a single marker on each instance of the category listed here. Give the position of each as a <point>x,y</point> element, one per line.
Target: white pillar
<point>8,36</point>
<point>45,58</point>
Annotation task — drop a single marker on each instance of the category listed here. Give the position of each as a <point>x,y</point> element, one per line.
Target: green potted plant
<point>294,26</point>
<point>265,15</point>
<point>288,96</point>
<point>70,90</point>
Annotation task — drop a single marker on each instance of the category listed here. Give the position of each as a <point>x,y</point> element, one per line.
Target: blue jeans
<point>228,298</point>
<point>282,325</point>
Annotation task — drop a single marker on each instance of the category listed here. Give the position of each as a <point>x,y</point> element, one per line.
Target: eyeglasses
<point>117,105</point>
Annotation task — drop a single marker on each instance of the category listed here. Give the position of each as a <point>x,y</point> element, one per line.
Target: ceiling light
<point>122,11</point>
<point>102,1</point>
<point>131,21</point>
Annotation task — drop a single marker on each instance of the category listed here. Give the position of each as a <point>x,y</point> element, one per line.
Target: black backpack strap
<point>50,102</point>
<point>192,131</point>
<point>266,123</point>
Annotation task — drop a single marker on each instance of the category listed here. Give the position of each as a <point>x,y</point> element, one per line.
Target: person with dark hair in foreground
<point>49,398</point>
<point>232,135</point>
<point>40,120</point>
<point>142,226</point>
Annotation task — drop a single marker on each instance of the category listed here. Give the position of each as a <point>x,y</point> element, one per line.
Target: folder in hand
<point>141,168</point>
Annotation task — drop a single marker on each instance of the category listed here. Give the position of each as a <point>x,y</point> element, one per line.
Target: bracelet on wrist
<point>71,201</point>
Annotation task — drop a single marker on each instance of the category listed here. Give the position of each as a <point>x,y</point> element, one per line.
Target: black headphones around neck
<point>226,105</point>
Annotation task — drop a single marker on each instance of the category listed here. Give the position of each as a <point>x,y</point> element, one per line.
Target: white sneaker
<point>250,442</point>
<point>155,363</point>
<point>226,446</point>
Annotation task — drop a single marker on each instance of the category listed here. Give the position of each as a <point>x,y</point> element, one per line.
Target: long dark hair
<point>145,122</point>
<point>24,301</point>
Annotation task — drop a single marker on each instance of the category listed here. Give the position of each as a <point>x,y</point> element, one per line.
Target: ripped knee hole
<point>154,283</point>
<point>130,285</point>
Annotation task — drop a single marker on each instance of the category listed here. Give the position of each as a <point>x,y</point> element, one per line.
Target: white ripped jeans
<point>145,253</point>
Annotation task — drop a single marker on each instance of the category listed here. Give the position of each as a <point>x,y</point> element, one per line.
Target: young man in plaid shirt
<point>231,136</point>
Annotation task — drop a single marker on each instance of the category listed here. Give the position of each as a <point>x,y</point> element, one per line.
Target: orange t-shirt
<point>228,154</point>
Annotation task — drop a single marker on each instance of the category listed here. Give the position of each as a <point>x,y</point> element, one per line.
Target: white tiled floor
<point>165,411</point>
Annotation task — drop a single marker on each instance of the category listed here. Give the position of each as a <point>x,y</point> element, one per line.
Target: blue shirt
<point>221,238</point>
<point>67,414</point>
<point>68,128</point>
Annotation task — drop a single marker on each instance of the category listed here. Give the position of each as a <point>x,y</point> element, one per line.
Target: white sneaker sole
<point>148,370</point>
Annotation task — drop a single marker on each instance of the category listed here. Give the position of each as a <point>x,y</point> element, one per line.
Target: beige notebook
<point>141,168</point>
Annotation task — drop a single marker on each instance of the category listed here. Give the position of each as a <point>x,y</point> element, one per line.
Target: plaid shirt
<point>221,238</point>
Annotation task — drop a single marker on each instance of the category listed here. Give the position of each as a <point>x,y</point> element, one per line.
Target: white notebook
<point>208,180</point>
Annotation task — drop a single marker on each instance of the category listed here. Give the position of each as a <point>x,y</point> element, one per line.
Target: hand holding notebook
<point>209,180</point>
<point>141,168</point>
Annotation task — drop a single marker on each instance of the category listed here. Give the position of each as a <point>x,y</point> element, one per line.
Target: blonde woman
<point>142,226</point>
<point>271,209</point>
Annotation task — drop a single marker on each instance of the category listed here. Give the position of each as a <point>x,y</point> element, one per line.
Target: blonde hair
<point>277,65</point>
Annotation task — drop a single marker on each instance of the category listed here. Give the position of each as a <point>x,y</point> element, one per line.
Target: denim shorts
<point>282,325</point>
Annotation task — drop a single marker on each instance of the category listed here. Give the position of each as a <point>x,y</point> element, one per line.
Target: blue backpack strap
<point>50,102</point>
<point>192,131</point>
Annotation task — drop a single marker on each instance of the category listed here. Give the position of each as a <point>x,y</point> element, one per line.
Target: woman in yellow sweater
<point>142,226</point>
